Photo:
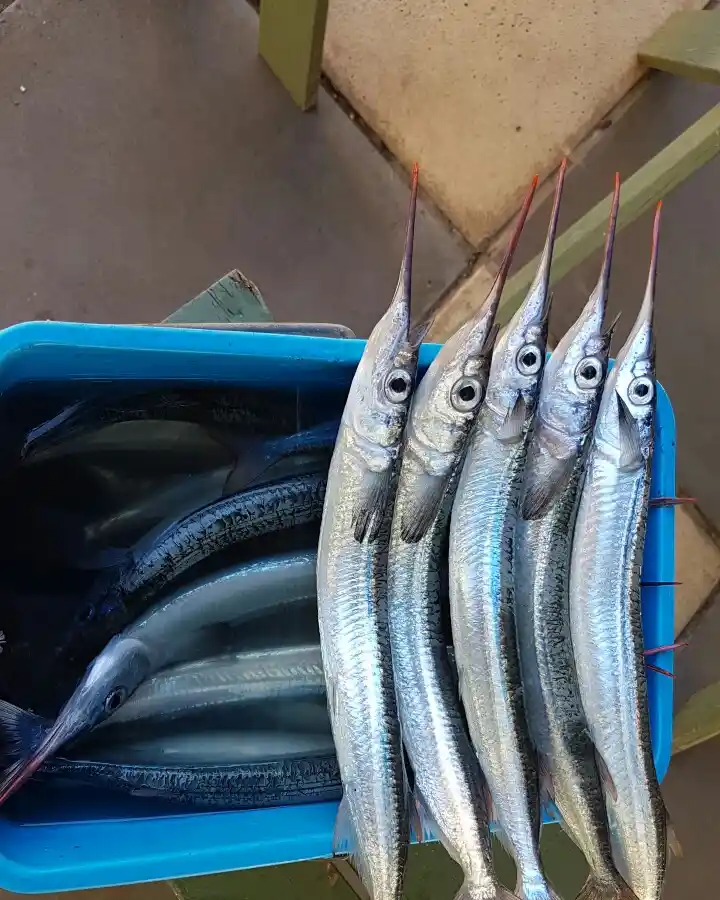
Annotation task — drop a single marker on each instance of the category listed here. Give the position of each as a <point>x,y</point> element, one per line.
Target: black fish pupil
<point>642,390</point>
<point>467,393</point>
<point>529,359</point>
<point>397,385</point>
<point>113,701</point>
<point>589,372</point>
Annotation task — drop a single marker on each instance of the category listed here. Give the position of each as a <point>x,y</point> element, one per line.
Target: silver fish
<point>567,407</point>
<point>146,515</point>
<point>449,790</point>
<point>174,629</point>
<point>238,785</point>
<point>206,532</point>
<point>231,681</point>
<point>213,748</point>
<point>482,530</point>
<point>158,448</point>
<point>373,821</point>
<point>605,614</point>
<point>246,410</point>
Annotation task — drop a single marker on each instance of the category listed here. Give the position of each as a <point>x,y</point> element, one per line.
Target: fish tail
<point>21,732</point>
<point>596,888</point>
<point>487,892</point>
<point>536,890</point>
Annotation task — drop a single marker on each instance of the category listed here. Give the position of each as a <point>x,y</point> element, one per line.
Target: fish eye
<point>589,372</point>
<point>641,390</point>
<point>398,385</point>
<point>115,700</point>
<point>466,394</point>
<point>529,359</point>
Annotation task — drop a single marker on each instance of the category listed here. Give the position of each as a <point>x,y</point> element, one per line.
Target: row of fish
<point>540,472</point>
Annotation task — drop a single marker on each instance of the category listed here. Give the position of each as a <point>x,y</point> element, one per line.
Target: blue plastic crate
<point>47,842</point>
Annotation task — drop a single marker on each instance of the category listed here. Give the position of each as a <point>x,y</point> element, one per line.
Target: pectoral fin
<point>545,482</point>
<point>422,508</point>
<point>630,452</point>
<point>370,506</point>
<point>512,428</point>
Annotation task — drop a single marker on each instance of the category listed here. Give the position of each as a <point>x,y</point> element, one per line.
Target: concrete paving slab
<point>484,93</point>
<point>146,150</point>
<point>698,665</point>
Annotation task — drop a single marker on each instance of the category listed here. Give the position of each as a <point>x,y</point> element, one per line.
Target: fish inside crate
<point>85,521</point>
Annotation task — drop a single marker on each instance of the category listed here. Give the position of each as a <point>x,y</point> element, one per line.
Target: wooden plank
<point>664,172</point>
<point>688,44</point>
<point>234,298</point>
<point>698,720</point>
<point>291,43</point>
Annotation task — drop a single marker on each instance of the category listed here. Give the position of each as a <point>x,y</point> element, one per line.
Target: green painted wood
<point>699,720</point>
<point>292,33</point>
<point>688,44</point>
<point>664,172</point>
<point>234,298</point>
<point>430,874</point>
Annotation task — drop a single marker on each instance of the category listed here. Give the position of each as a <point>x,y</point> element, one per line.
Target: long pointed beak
<point>640,339</point>
<point>492,302</point>
<point>647,310</point>
<point>403,290</point>
<point>58,735</point>
<point>536,305</point>
<point>598,299</point>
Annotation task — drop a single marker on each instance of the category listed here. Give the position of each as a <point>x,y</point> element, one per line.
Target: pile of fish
<point>187,666</point>
<point>460,644</point>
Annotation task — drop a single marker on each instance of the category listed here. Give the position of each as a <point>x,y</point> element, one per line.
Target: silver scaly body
<point>567,408</point>
<point>449,788</point>
<point>482,533</point>
<point>605,610</point>
<point>373,819</point>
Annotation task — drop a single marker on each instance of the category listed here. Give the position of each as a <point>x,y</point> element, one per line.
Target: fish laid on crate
<point>228,682</point>
<point>182,626</point>
<point>212,747</point>
<point>258,732</point>
<point>568,404</point>
<point>93,542</point>
<point>482,531</point>
<point>154,448</point>
<point>448,788</point>
<point>247,411</point>
<point>373,820</point>
<point>197,537</point>
<point>288,779</point>
<point>605,614</point>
